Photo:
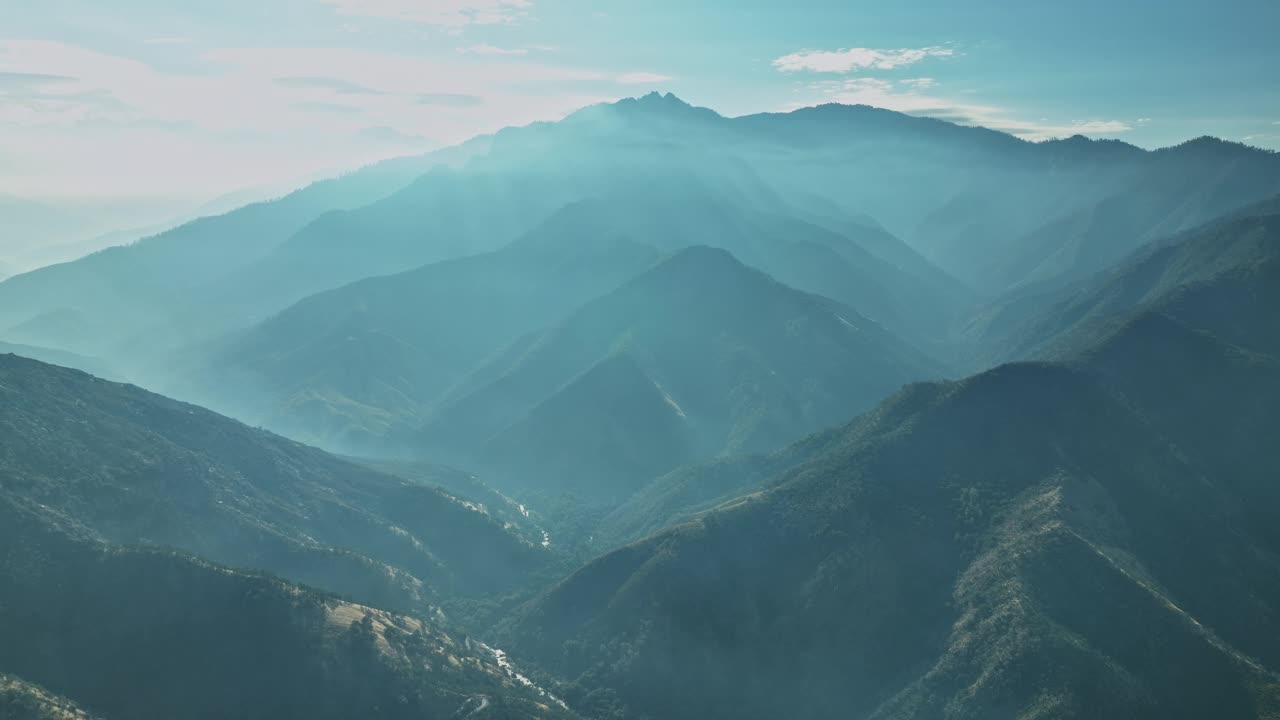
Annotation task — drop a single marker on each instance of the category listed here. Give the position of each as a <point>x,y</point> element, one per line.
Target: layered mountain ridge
<point>1044,538</point>
<point>837,412</point>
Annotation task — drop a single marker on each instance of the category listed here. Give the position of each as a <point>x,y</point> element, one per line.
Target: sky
<point>160,98</point>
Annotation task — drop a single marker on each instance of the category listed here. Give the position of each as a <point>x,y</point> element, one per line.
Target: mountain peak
<point>1081,145</point>
<point>703,258</point>
<point>1208,145</point>
<point>713,274</point>
<point>663,104</point>
<point>664,99</point>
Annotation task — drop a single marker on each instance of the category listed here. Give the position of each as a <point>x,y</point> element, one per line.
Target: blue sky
<point>138,97</point>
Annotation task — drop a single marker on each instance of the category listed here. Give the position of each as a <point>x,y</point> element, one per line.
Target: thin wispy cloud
<point>1261,139</point>
<point>395,73</point>
<point>168,41</point>
<point>241,115</point>
<point>26,81</point>
<point>443,13</point>
<point>492,50</point>
<point>337,85</point>
<point>392,136</point>
<point>923,83</point>
<point>849,60</point>
<point>42,95</point>
<point>487,49</point>
<point>330,107</point>
<point>449,99</point>
<point>642,78</point>
<point>911,98</point>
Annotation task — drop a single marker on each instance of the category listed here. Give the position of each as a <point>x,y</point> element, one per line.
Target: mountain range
<point>837,412</point>
<point>698,356</point>
<point>1047,539</point>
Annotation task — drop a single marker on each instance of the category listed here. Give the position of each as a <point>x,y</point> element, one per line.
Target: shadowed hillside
<point>1222,276</point>
<point>141,469</point>
<point>134,633</point>
<point>663,402</point>
<point>729,359</point>
<point>354,365</point>
<point>1093,538</point>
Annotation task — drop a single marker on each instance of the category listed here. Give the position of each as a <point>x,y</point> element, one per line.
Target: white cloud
<point>341,87</point>
<point>642,78</point>
<point>492,50</point>
<point>444,13</point>
<point>912,100</point>
<point>449,99</point>
<point>918,96</point>
<point>167,41</point>
<point>321,106</point>
<point>27,84</point>
<point>1263,140</point>
<point>384,135</point>
<point>392,73</point>
<point>923,83</point>
<point>487,49</point>
<point>853,59</point>
<point>76,120</point>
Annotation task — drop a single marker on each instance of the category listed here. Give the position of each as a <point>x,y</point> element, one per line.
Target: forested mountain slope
<point>1087,538</point>
<point>137,468</point>
<point>721,358</point>
<point>150,633</point>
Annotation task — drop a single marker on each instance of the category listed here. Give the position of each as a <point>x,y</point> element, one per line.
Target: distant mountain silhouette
<point>741,362</point>
<point>654,398</point>
<point>351,366</point>
<point>1221,276</point>
<point>31,223</point>
<point>1088,538</point>
<point>609,426</point>
<point>992,210</point>
<point>90,365</point>
<point>138,288</point>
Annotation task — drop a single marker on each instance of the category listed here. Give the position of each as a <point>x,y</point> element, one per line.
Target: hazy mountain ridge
<point>29,223</point>
<point>856,559</point>
<point>1171,190</point>
<point>609,425</point>
<point>1040,539</point>
<point>693,345</point>
<point>433,324</point>
<point>1203,275</point>
<point>744,362</point>
<point>416,334</point>
<point>139,287</point>
<point>93,366</point>
<point>822,167</point>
